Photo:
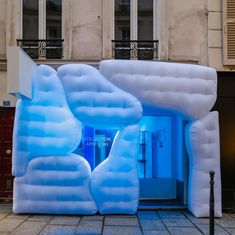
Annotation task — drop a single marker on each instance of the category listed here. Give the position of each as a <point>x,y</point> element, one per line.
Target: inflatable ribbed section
<point>115,183</point>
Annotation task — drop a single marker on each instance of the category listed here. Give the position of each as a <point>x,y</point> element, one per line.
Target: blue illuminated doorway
<point>162,156</point>
<point>155,160</point>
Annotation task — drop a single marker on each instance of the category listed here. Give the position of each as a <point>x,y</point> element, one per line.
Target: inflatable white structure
<point>50,178</point>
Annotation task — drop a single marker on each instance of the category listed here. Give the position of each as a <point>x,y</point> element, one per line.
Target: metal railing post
<point>212,205</point>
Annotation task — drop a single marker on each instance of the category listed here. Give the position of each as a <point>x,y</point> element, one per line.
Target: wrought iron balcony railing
<point>42,49</point>
<point>135,49</point>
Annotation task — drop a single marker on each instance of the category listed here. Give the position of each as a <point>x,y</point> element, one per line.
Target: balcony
<point>42,49</point>
<point>135,49</point>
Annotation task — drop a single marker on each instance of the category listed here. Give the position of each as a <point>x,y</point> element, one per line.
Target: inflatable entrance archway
<point>51,178</point>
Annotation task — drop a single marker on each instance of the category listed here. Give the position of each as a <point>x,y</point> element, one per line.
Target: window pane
<point>145,19</point>
<point>53,19</point>
<point>30,19</point>
<point>122,19</point>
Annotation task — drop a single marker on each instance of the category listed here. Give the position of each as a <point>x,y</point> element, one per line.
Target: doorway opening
<point>162,161</point>
<point>162,157</point>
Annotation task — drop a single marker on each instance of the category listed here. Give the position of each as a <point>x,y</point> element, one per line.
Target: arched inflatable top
<point>185,88</point>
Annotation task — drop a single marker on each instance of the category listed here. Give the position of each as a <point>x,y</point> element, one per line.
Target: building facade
<point>57,32</point>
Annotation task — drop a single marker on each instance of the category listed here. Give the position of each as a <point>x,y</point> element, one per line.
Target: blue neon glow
<point>156,132</point>
<point>50,178</point>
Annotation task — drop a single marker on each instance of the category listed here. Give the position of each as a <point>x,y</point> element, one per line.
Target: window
<point>122,20</point>
<point>124,5</point>
<point>125,34</point>
<point>134,34</point>
<point>229,32</point>
<point>42,29</point>
<point>30,19</point>
<point>145,20</point>
<point>53,19</point>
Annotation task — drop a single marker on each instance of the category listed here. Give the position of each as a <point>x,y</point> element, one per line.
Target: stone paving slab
<point>152,225</point>
<point>195,220</point>
<point>3,215</point>
<point>177,222</point>
<point>65,220</point>
<point>122,221</point>
<point>226,216</point>
<point>184,231</point>
<point>147,215</point>
<point>89,227</point>
<point>8,225</point>
<point>58,230</point>
<point>117,230</point>
<point>230,230</point>
<point>153,232</point>
<point>228,223</point>
<point>29,227</point>
<point>218,230</point>
<point>14,216</point>
<point>93,217</point>
<point>40,218</point>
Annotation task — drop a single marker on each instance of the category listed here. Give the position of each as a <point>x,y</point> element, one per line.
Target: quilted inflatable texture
<point>184,88</point>
<point>95,101</point>
<point>55,184</point>
<point>41,124</point>
<point>202,141</point>
<point>49,178</point>
<point>115,183</point>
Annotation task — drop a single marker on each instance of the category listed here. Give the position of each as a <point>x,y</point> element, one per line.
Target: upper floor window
<point>122,20</point>
<point>145,20</point>
<point>42,28</point>
<point>228,32</point>
<point>53,19</point>
<point>30,19</point>
<point>124,5</point>
<point>135,37</point>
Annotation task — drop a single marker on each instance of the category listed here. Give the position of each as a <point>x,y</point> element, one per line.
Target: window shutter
<point>229,32</point>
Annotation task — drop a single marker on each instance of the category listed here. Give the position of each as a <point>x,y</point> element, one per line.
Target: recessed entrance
<point>162,160</point>
<point>155,162</point>
<point>162,157</point>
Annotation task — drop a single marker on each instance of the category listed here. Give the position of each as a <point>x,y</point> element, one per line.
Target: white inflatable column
<point>202,141</point>
<point>115,183</point>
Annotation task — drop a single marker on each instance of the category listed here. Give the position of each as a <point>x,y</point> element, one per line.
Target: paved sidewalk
<point>157,222</point>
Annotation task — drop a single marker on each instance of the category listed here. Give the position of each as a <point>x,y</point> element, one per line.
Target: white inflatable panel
<point>95,101</point>
<point>55,184</point>
<point>202,139</point>
<point>115,183</point>
<point>41,124</point>
<point>184,88</point>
